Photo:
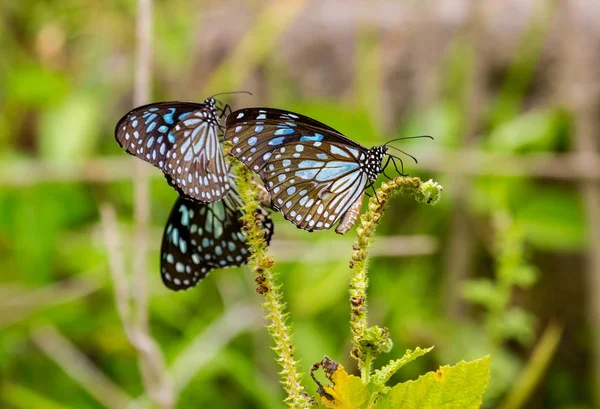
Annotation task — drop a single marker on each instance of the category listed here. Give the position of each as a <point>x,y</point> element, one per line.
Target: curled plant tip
<point>377,340</point>
<point>430,192</point>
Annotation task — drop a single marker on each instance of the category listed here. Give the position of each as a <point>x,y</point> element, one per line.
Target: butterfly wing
<point>201,237</point>
<point>180,138</point>
<point>195,162</point>
<point>256,132</point>
<point>313,173</point>
<point>314,186</point>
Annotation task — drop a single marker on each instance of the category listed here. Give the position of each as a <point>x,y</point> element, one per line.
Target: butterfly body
<point>200,237</point>
<point>313,173</point>
<point>181,139</point>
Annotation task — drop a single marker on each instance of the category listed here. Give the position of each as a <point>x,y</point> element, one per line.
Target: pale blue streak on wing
<point>334,169</point>
<point>310,164</point>
<point>313,138</point>
<point>150,118</point>
<point>276,141</point>
<point>337,151</point>
<point>307,174</point>
<point>283,131</point>
<point>169,117</point>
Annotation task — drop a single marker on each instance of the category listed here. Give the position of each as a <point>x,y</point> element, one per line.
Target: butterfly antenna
<point>408,137</point>
<point>231,92</point>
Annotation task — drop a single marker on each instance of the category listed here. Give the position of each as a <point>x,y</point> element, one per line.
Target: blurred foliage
<point>66,77</point>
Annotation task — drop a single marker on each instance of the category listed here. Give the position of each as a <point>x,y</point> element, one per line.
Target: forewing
<point>256,132</point>
<point>173,136</point>
<point>312,184</point>
<point>144,131</point>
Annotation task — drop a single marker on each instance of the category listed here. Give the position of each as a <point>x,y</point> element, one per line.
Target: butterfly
<point>181,139</point>
<point>315,175</point>
<point>200,237</point>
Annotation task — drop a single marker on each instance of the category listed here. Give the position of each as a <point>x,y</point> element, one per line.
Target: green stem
<point>368,343</point>
<point>365,371</point>
<point>267,286</point>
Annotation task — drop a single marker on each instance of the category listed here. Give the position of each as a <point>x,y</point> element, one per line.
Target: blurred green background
<point>507,264</point>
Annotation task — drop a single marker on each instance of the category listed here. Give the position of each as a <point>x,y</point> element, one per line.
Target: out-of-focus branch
<point>392,246</point>
<point>238,319</point>
<point>570,167</point>
<point>116,263</point>
<point>18,303</point>
<point>578,86</point>
<point>131,294</point>
<point>79,367</point>
<point>154,372</point>
<point>141,188</point>
<point>535,369</point>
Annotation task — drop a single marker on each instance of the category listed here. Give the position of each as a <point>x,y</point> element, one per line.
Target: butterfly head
<point>373,161</point>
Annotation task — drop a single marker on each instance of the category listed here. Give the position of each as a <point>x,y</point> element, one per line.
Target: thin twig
<point>204,347</point>
<point>116,263</point>
<point>79,367</point>
<point>151,361</point>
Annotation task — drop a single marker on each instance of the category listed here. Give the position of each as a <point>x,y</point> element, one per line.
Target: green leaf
<point>518,324</point>
<point>69,131</point>
<point>450,387</point>
<point>553,219</point>
<point>35,86</point>
<point>525,276</point>
<point>539,130</point>
<point>382,375</point>
<point>481,291</point>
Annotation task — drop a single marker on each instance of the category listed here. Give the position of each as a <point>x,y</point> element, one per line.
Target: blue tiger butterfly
<point>181,139</point>
<point>200,237</point>
<point>315,175</point>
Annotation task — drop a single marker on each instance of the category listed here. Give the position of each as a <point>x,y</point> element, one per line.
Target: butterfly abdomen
<point>350,217</point>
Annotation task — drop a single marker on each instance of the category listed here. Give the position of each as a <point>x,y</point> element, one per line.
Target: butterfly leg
<point>385,166</point>
<point>375,192</point>
<point>225,110</point>
<point>401,165</point>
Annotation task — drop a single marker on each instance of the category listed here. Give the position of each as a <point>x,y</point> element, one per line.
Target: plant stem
<point>266,279</point>
<point>370,342</point>
<point>365,372</point>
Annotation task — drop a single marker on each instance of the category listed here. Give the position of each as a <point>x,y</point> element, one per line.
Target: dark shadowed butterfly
<point>314,174</point>
<point>180,138</point>
<point>200,237</point>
